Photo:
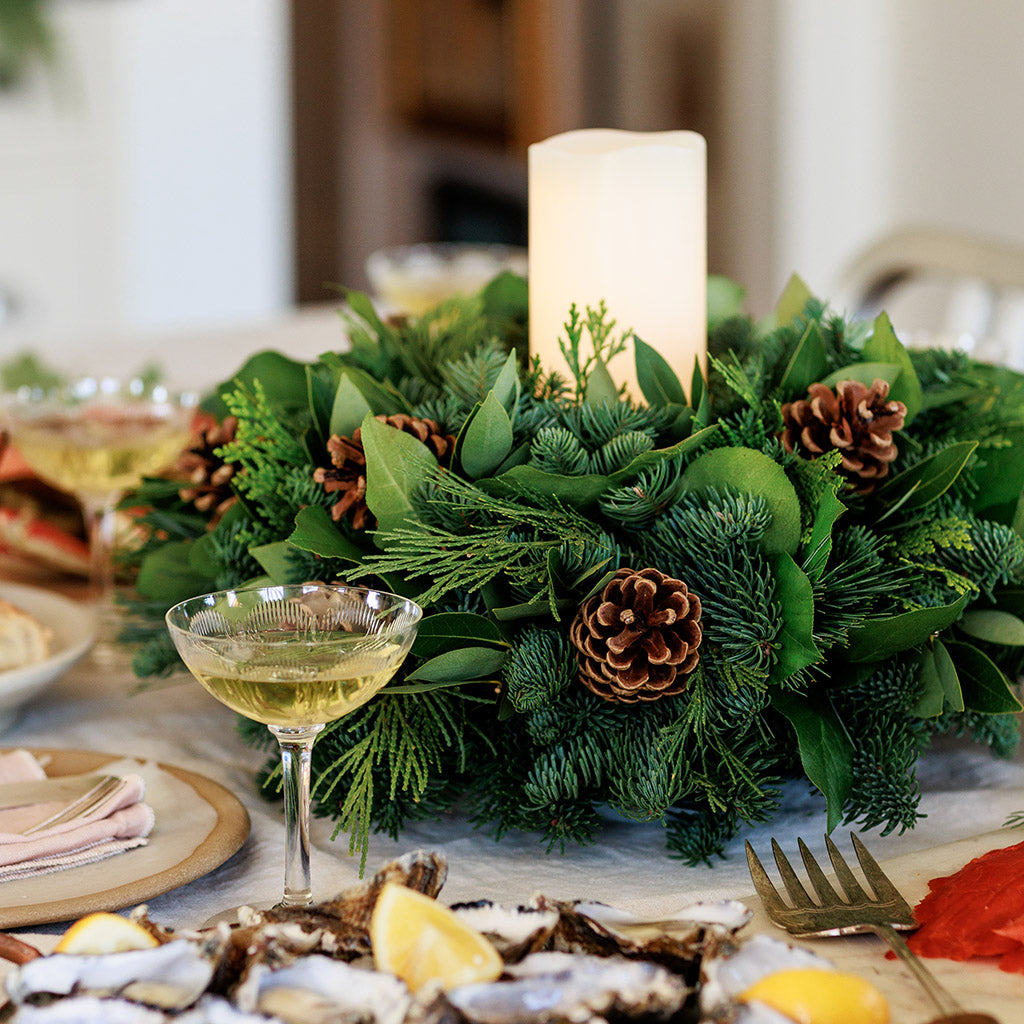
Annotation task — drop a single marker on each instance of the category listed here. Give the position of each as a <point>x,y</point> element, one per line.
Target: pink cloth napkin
<point>120,823</point>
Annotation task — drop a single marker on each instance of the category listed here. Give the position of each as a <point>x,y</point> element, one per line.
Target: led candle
<point>620,216</point>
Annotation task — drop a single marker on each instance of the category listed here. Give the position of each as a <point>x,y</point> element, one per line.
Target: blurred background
<point>187,169</point>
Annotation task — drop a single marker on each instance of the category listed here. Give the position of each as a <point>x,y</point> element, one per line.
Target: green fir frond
<point>557,449</point>
<point>540,667</point>
<point>620,451</point>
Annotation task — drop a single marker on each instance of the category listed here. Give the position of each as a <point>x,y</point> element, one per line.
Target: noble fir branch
<point>620,451</point>
<point>540,667</point>
<point>467,380</point>
<point>597,425</point>
<point>994,556</point>
<point>557,449</point>
<point>639,505</point>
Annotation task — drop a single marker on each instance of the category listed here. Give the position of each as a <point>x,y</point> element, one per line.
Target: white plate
<point>72,626</point>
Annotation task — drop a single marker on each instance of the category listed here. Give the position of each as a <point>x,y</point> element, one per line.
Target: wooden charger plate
<point>199,825</point>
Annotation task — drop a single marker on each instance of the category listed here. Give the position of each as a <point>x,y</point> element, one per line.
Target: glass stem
<point>296,754</point>
<point>101,522</point>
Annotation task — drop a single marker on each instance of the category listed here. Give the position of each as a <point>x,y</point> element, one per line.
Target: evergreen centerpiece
<point>809,566</point>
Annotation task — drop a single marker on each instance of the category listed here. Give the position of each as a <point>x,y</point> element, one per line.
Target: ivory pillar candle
<point>620,216</point>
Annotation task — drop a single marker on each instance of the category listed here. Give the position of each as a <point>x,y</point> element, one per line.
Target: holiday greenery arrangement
<point>808,566</point>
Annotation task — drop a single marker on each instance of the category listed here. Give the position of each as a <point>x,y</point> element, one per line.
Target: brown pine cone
<point>208,475</point>
<point>347,473</point>
<point>857,420</point>
<point>637,640</point>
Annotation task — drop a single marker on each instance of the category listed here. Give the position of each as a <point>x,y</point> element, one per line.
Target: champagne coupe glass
<point>97,438</point>
<point>294,657</point>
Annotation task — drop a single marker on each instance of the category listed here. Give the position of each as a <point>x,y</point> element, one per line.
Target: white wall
<point>146,186</point>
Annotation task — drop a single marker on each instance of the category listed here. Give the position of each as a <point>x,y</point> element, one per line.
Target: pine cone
<point>855,419</point>
<point>638,638</point>
<point>347,474</point>
<point>208,475</point>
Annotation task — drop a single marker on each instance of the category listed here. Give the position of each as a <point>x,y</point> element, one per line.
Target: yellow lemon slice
<point>421,941</point>
<point>104,933</point>
<point>811,996</point>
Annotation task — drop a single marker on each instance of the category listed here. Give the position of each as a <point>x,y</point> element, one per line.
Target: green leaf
<point>507,387</point>
<point>939,681</point>
<point>795,596</point>
<point>317,532</point>
<point>657,380</point>
<point>577,491</point>
<point>361,304</point>
<point>879,639</point>
<point>283,379</point>
<point>792,302</point>
<point>698,390</point>
<point>866,373</point>
<point>1011,600</point>
<point>167,574</point>
<point>928,479</point>
<point>651,459</point>
<point>826,751</point>
<point>506,296</point>
<point>994,627</point>
<point>382,399</point>
<point>724,299</point>
<point>601,389</point>
<point>460,665</point>
<point>273,559</point>
<point>396,465</point>
<point>884,347</point>
<point>445,630</point>
<point>487,439</point>
<point>809,362</point>
<point>530,610</point>
<point>752,472</point>
<point>999,471</point>
<point>349,409</point>
<point>819,545</point>
<point>984,686</point>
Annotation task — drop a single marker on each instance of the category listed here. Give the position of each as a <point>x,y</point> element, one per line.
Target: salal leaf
<point>884,347</point>
<point>809,362</point>
<point>648,460</point>
<point>793,301</point>
<point>866,373</point>
<point>999,472</point>
<point>984,686</point>
<point>576,491</point>
<point>273,559</point>
<point>506,295</point>
<point>993,626</point>
<point>795,597</point>
<point>940,684</point>
<point>819,545</point>
<point>600,389</point>
<point>879,639</point>
<point>349,408</point>
<point>826,751</point>
<point>658,381</point>
<point>487,439</point>
<point>698,389</point>
<point>447,630</point>
<point>317,532</point>
<point>283,380</point>
<point>361,304</point>
<point>396,466</point>
<point>724,299</point>
<point>382,399</point>
<point>929,479</point>
<point>752,472</point>
<point>531,609</point>
<point>167,574</point>
<point>507,387</point>
<point>460,665</point>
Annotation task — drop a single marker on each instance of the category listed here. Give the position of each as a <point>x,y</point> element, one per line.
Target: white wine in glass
<point>294,657</point>
<point>96,439</point>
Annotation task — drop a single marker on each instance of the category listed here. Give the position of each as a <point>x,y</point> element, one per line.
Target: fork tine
<point>797,893</point>
<point>852,888</point>
<point>877,878</point>
<point>770,898</point>
<point>821,884</point>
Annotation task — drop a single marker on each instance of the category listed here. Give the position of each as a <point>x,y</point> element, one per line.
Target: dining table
<point>172,724</point>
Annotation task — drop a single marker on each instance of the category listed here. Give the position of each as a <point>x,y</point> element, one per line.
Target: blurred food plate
<point>71,627</point>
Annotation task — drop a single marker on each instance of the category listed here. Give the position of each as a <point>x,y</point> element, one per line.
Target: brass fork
<point>885,913</point>
<point>83,806</point>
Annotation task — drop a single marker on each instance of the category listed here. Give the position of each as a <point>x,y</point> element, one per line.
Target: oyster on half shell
<point>513,931</point>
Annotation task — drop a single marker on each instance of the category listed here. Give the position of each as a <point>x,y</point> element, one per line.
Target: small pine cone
<point>637,640</point>
<point>208,475</point>
<point>347,473</point>
<point>857,420</point>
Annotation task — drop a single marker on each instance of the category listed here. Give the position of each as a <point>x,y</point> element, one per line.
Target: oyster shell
<point>170,977</point>
<point>566,988</point>
<point>318,990</point>
<point>340,926</point>
<point>513,931</point>
<point>88,1010</point>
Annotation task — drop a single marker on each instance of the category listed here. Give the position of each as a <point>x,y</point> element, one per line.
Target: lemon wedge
<point>422,941</point>
<point>810,996</point>
<point>104,933</point>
